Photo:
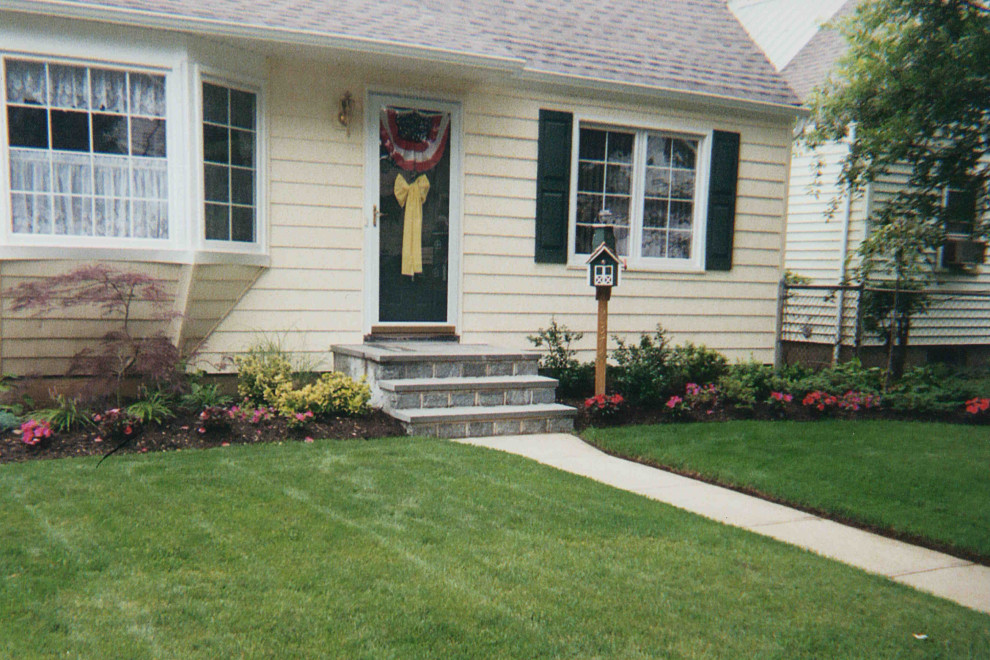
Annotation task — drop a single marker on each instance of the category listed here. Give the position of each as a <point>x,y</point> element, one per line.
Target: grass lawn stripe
<point>413,548</point>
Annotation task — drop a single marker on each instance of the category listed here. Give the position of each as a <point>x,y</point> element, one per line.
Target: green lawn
<point>416,548</point>
<point>928,480</point>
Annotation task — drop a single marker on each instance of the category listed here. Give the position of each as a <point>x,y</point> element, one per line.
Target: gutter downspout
<point>840,299</point>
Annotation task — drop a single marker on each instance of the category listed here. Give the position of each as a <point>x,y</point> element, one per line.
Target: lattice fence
<point>811,331</point>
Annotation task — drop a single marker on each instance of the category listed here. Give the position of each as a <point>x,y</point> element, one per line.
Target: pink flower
<point>201,429</point>
<point>308,439</point>
<point>224,444</point>
<point>673,401</point>
<point>33,430</point>
<point>97,439</point>
<point>692,389</point>
<point>128,430</point>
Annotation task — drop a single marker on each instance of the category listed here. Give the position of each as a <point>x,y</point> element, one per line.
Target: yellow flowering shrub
<point>333,394</point>
<point>261,372</point>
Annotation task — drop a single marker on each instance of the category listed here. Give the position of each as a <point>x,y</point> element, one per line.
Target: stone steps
<point>481,421</point>
<point>475,391</point>
<point>452,390</point>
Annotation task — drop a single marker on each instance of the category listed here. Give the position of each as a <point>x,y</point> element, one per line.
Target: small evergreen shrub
<point>8,421</point>
<point>695,364</point>
<point>643,373</point>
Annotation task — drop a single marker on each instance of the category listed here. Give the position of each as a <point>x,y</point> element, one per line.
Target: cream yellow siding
<point>313,295</point>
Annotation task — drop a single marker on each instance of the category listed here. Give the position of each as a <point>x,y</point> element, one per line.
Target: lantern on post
<point>604,273</point>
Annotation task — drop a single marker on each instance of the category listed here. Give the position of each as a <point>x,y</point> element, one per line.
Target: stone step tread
<point>481,413</point>
<point>474,383</point>
<point>434,352</point>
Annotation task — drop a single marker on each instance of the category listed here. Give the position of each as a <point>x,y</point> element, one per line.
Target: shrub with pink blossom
<point>33,431</point>
<point>977,405</point>
<point>604,406</point>
<point>116,425</point>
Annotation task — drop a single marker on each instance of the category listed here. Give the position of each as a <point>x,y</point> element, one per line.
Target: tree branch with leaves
<point>911,96</point>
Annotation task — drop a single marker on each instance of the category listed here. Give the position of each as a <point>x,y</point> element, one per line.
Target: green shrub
<point>843,377</point>
<point>695,364</point>
<point>8,421</point>
<point>332,394</point>
<point>66,415</point>
<point>932,389</point>
<point>261,371</point>
<point>574,378</point>
<point>201,397</point>
<point>154,408</point>
<point>643,374</point>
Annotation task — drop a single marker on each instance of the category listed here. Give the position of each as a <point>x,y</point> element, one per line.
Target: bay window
<point>229,169</point>
<point>87,152</point>
<point>106,156</point>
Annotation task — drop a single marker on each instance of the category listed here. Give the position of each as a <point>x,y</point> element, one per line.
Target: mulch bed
<point>181,433</point>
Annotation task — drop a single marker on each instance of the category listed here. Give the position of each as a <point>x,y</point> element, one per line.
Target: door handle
<point>375,215</point>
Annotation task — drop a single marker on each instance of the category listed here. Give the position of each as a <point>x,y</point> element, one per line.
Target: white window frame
<point>180,63</point>
<point>635,260</point>
<point>255,86</point>
<point>173,130</point>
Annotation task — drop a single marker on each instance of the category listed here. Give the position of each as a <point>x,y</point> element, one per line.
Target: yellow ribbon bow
<point>412,196</point>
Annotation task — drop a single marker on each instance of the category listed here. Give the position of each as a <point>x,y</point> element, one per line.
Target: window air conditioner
<point>963,252</point>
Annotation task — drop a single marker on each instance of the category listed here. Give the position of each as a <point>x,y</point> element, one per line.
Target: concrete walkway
<point>942,575</point>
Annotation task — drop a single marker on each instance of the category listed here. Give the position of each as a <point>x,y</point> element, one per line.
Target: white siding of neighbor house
<point>952,320</point>
<point>815,213</point>
<point>312,295</point>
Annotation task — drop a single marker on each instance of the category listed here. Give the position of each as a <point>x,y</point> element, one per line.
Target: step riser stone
<point>459,398</point>
<point>484,429</point>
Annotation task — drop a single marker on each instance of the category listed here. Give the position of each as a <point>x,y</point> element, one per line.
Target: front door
<point>412,143</point>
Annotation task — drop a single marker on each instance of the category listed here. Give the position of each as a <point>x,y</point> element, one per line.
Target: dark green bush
<point>695,364</point>
<point>843,377</point>
<point>643,374</point>
<point>933,389</point>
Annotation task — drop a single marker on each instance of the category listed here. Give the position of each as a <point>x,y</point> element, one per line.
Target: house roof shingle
<point>687,46</point>
<point>811,66</point>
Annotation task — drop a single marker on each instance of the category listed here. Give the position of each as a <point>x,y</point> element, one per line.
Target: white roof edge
<point>217,28</point>
<point>511,65</point>
<point>661,93</point>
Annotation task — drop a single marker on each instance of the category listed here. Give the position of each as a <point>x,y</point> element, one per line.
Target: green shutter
<point>722,200</point>
<point>553,186</point>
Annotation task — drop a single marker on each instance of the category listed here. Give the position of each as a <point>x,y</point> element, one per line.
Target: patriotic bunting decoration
<point>416,141</point>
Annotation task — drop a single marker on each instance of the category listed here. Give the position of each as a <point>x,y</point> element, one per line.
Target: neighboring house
<point>825,226</point>
<point>322,172</point>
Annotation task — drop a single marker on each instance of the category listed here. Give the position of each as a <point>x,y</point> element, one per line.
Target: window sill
<point>29,253</point>
<point>578,263</point>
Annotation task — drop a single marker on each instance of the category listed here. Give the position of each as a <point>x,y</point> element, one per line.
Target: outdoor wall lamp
<point>346,108</point>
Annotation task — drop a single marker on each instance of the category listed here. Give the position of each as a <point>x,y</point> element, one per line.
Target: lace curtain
<point>86,193</point>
